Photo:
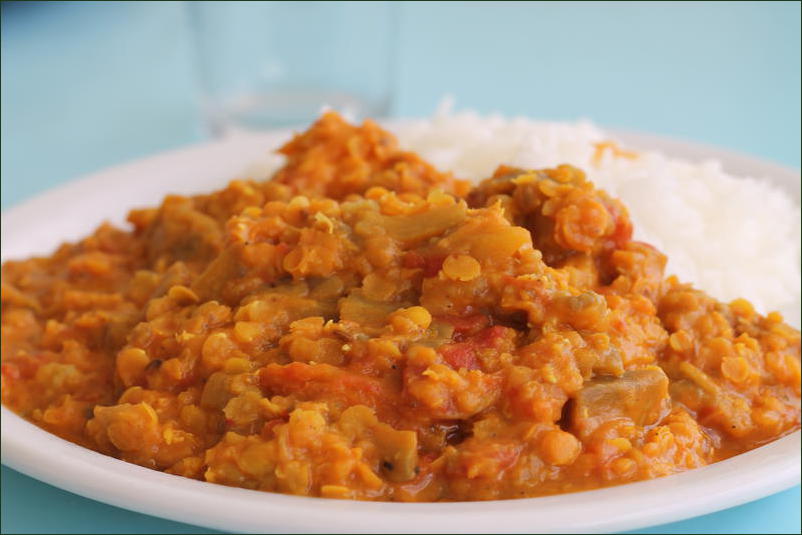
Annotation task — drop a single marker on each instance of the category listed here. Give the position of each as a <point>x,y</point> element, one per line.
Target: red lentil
<point>364,326</point>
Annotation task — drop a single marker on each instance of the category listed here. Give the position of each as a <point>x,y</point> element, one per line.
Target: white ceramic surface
<point>74,209</point>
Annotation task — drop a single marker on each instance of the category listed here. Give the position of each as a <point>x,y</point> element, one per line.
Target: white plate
<point>77,207</point>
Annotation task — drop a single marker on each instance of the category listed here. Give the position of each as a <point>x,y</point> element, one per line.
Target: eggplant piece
<point>639,395</point>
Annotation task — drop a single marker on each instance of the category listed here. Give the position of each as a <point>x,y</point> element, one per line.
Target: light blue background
<point>88,86</point>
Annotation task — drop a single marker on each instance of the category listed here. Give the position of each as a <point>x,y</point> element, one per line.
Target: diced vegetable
<point>639,395</point>
<point>416,227</point>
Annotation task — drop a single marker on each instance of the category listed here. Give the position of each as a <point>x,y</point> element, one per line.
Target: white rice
<point>730,236</point>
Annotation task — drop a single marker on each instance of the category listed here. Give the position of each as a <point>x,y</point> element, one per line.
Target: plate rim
<point>16,455</point>
<point>87,472</point>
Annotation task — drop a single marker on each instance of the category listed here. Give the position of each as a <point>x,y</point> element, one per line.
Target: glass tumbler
<point>264,65</point>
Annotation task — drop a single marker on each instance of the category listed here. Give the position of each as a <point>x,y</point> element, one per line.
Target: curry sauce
<point>365,326</point>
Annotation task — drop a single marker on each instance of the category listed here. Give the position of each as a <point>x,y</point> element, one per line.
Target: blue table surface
<point>86,86</point>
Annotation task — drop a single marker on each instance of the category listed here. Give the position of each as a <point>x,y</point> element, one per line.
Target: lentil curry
<point>365,326</point>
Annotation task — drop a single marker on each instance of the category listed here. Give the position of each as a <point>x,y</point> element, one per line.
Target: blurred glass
<point>269,64</point>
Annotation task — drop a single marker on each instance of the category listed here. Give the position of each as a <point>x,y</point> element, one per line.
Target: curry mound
<point>365,326</point>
